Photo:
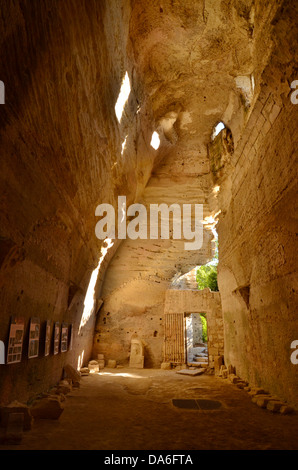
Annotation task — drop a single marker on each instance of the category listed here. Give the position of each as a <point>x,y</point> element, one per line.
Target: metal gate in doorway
<point>174,346</point>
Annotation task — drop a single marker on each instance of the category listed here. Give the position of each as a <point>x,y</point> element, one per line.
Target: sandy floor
<point>125,409</point>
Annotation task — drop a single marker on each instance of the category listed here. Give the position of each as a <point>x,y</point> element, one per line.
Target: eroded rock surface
<point>65,150</point>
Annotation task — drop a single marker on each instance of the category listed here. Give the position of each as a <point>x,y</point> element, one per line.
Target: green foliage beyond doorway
<point>207,277</point>
<point>204,328</point>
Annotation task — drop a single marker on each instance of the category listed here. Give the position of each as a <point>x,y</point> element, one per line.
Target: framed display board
<point>56,337</point>
<point>47,344</point>
<point>34,332</point>
<point>15,341</point>
<point>64,337</point>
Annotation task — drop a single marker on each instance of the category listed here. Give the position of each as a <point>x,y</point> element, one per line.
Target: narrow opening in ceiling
<point>123,145</point>
<point>123,97</point>
<point>217,129</point>
<point>155,140</point>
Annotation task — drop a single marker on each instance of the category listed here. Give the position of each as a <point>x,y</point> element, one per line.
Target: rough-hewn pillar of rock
<point>62,154</point>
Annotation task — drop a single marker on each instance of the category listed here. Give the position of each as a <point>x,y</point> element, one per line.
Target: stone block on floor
<point>47,408</point>
<point>14,429</point>
<point>111,364</point>
<point>286,409</point>
<point>64,387</point>
<point>257,391</point>
<point>234,379</point>
<point>166,366</point>
<point>241,384</point>
<point>274,406</point>
<point>16,407</point>
<point>136,360</point>
<point>93,366</point>
<point>261,400</point>
<point>222,369</point>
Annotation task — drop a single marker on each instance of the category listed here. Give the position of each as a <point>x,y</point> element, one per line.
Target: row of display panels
<point>62,339</point>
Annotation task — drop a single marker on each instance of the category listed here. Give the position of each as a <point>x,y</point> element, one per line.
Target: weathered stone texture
<point>257,229</point>
<point>62,64</point>
<point>63,152</point>
<point>188,68</point>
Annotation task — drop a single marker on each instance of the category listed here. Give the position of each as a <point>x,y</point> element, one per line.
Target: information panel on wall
<point>56,337</point>
<point>34,331</point>
<point>64,337</point>
<point>47,345</point>
<point>15,341</point>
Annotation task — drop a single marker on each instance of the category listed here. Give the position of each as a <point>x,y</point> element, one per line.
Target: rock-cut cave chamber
<point>162,102</point>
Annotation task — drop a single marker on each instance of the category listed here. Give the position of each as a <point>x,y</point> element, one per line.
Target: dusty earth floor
<point>125,409</point>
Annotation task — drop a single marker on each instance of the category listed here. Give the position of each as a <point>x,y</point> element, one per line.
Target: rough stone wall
<point>141,271</point>
<point>125,315</point>
<point>63,152</point>
<point>190,57</point>
<point>204,301</point>
<point>257,227</point>
<point>61,155</point>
